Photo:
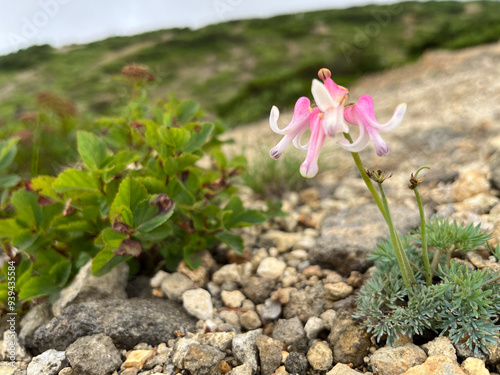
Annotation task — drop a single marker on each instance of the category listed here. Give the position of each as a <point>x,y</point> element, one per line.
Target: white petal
<point>296,141</point>
<point>273,120</point>
<point>359,144</point>
<point>321,96</point>
<point>394,122</point>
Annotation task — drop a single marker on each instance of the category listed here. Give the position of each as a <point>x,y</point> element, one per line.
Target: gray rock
<point>181,348</point>
<point>395,361</point>
<point>174,284</point>
<point>289,331</point>
<point>305,303</point>
<point>87,287</point>
<point>127,322</point>
<point>36,317</point>
<point>202,359</point>
<point>349,341</point>
<point>47,363</point>
<point>93,355</point>
<point>320,356</point>
<point>12,350</point>
<point>232,299</point>
<point>440,345</point>
<point>269,354</point>
<point>347,237</point>
<point>198,303</point>
<point>250,320</point>
<point>463,351</point>
<point>67,371</point>
<point>257,289</point>
<point>337,291</point>
<point>341,369</point>
<point>245,349</point>
<point>270,310</point>
<point>313,327</point>
<point>228,272</point>
<point>219,340</point>
<point>244,369</point>
<point>271,268</point>
<point>296,363</point>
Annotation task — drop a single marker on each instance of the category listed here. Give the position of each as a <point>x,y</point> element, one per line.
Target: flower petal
<point>301,114</point>
<point>298,144</point>
<point>309,167</point>
<point>321,96</point>
<point>395,120</point>
<point>359,144</point>
<point>282,145</point>
<point>273,120</point>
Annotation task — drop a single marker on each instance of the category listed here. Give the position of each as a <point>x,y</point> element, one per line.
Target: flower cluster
<point>328,118</point>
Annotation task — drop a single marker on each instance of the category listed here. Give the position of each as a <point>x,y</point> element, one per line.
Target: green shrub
<point>139,193</point>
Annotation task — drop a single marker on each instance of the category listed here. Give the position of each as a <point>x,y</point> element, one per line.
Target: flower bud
<point>324,74</point>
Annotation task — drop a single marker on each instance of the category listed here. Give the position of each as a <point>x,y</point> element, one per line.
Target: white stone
<point>232,299</point>
<point>198,303</point>
<point>271,268</point>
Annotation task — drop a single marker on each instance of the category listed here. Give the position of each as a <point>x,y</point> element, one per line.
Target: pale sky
<point>61,22</point>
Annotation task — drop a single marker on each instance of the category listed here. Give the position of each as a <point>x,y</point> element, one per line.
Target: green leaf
<point>130,193</point>
<point>28,212</point>
<point>174,137</point>
<point>44,186</point>
<point>73,179</point>
<point>9,180</point>
<point>72,224</point>
<point>37,287</point>
<point>187,110</point>
<point>60,272</point>
<point>105,261</point>
<point>153,185</point>
<point>234,241</point>
<point>178,192</point>
<point>199,137</point>
<point>123,214</point>
<point>92,149</point>
<point>8,150</point>
<point>9,228</point>
<point>148,217</point>
<point>112,239</point>
<point>236,216</point>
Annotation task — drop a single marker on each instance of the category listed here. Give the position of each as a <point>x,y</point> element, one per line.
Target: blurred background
<point>235,57</point>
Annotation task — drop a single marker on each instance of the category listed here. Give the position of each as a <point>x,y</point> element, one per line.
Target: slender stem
<point>366,179</point>
<point>423,229</point>
<point>405,258</point>
<point>405,270</point>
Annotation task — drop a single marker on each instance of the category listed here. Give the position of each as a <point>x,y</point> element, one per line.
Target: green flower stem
<point>425,253</point>
<point>403,263</point>
<point>366,179</point>
<point>383,206</point>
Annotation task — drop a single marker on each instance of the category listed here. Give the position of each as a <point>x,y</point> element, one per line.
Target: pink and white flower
<point>362,114</point>
<point>294,130</point>
<point>309,168</point>
<point>330,98</point>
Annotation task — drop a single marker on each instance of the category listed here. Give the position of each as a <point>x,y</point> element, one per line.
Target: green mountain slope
<point>237,70</point>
